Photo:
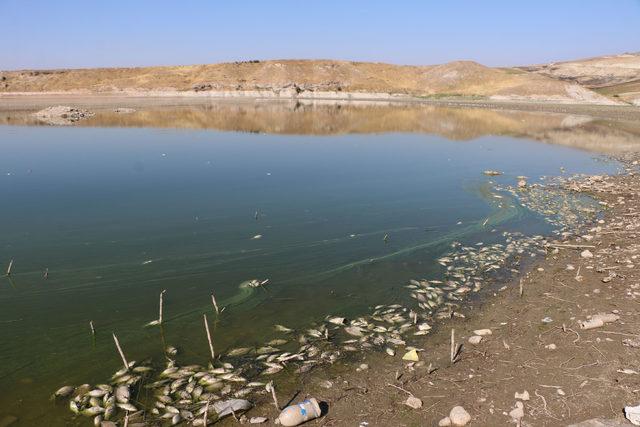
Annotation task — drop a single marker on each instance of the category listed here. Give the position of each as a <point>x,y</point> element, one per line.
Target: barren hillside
<point>307,78</point>
<point>617,76</point>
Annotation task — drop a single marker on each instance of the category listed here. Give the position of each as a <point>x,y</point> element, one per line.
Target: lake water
<point>121,207</point>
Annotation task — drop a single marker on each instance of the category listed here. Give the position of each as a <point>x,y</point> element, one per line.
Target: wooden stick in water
<point>272,389</point>
<point>206,413</point>
<point>453,344</point>
<point>206,326</point>
<point>124,360</point>
<point>215,304</point>
<point>160,313</point>
<point>10,267</point>
<point>521,288</point>
<point>560,246</point>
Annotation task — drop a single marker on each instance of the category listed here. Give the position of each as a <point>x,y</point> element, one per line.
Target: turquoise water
<point>117,215</point>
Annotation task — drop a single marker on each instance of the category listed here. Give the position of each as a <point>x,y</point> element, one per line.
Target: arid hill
<point>306,79</point>
<point>615,75</point>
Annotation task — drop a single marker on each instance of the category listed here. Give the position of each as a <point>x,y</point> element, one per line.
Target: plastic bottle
<point>297,414</point>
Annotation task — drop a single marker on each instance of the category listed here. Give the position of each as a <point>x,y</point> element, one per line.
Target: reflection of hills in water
<point>317,118</point>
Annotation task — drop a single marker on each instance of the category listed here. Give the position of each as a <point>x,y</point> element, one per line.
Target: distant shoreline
<point>23,100</point>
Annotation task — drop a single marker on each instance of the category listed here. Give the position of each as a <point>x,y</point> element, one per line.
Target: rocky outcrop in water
<point>62,115</point>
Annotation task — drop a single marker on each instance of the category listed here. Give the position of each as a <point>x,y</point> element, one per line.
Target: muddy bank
<point>539,346</point>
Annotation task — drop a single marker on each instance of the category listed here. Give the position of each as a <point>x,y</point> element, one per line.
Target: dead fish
<point>122,394</point>
<point>97,393</point>
<point>272,369</point>
<point>172,410</point>
<point>255,384</point>
<point>127,407</point>
<point>277,342</point>
<point>93,411</point>
<point>164,400</point>
<point>73,406</point>
<point>109,411</point>
<point>242,392</point>
<point>424,326</point>
<point>354,330</point>
<point>315,333</point>
<point>170,370</point>
<point>241,351</point>
<point>64,391</point>
<point>284,329</point>
<point>266,350</point>
<point>337,320</point>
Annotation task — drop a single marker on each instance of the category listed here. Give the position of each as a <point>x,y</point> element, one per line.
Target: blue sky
<point>87,33</point>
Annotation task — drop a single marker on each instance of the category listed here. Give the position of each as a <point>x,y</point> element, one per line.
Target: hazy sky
<point>87,33</point>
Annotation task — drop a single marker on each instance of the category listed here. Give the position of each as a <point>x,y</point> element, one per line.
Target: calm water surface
<point>118,214</point>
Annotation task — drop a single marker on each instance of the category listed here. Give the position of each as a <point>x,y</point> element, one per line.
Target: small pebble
<point>586,254</point>
<point>413,402</point>
<point>518,413</point>
<point>459,416</point>
<point>475,340</point>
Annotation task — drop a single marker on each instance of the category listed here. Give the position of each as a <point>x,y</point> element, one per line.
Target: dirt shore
<point>141,100</point>
<point>536,347</point>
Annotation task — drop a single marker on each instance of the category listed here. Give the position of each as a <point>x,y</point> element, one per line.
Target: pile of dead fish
<point>559,203</point>
<point>177,393</point>
<point>468,268</point>
<point>105,402</point>
<point>182,393</point>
